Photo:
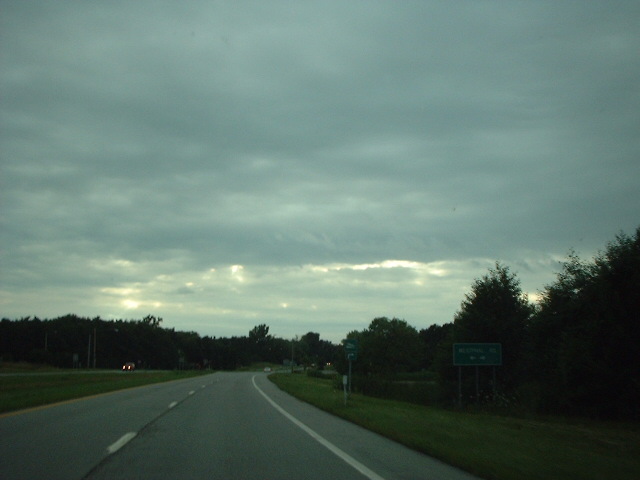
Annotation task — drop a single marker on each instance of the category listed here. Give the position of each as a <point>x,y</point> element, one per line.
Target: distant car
<point>129,366</point>
<point>267,369</point>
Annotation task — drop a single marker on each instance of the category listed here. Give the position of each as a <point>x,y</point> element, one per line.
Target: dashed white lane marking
<point>114,447</point>
<point>320,439</point>
<point>127,437</point>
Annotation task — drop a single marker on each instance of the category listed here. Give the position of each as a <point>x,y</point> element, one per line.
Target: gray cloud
<point>164,140</point>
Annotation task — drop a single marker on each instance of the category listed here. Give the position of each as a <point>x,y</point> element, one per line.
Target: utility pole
<point>95,339</point>
<point>89,353</point>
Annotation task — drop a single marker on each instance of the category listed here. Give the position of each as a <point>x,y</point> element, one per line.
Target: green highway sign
<point>351,348</point>
<point>477,354</point>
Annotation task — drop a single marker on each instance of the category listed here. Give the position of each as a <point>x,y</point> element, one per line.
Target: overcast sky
<point>308,165</point>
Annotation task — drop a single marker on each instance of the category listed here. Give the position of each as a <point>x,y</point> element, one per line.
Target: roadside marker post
<point>344,387</point>
<point>351,351</point>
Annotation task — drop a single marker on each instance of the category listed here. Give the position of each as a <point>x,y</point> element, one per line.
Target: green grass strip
<point>490,446</point>
<point>18,392</point>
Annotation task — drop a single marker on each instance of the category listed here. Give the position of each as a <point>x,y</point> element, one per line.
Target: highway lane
<point>65,441</point>
<point>226,426</point>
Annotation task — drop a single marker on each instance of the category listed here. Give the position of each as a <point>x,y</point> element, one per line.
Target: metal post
<point>459,386</point>
<point>95,338</point>
<point>349,376</point>
<point>89,353</point>
<point>494,384</point>
<point>477,384</point>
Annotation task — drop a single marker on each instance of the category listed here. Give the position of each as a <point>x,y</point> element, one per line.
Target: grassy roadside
<point>490,446</point>
<point>35,389</point>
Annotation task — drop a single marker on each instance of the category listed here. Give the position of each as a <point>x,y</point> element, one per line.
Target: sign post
<point>351,350</point>
<point>476,355</point>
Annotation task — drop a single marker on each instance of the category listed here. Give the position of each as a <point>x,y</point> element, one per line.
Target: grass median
<point>490,446</point>
<point>20,391</point>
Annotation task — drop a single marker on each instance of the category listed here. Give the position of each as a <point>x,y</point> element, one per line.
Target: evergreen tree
<point>587,335</point>
<point>497,311</point>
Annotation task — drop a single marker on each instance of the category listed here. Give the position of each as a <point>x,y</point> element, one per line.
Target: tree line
<point>72,341</point>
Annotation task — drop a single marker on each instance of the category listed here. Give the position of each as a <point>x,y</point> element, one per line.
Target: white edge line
<point>114,447</point>
<point>320,439</point>
<point>173,404</point>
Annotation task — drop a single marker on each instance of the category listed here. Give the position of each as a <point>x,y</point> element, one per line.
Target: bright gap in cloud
<point>130,304</point>
<point>435,268</point>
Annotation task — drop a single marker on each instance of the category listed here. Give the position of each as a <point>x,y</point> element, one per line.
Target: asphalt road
<point>220,426</point>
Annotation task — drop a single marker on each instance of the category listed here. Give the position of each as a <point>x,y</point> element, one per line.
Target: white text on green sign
<point>477,354</point>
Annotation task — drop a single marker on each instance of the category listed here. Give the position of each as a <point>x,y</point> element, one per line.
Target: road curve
<point>220,426</point>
